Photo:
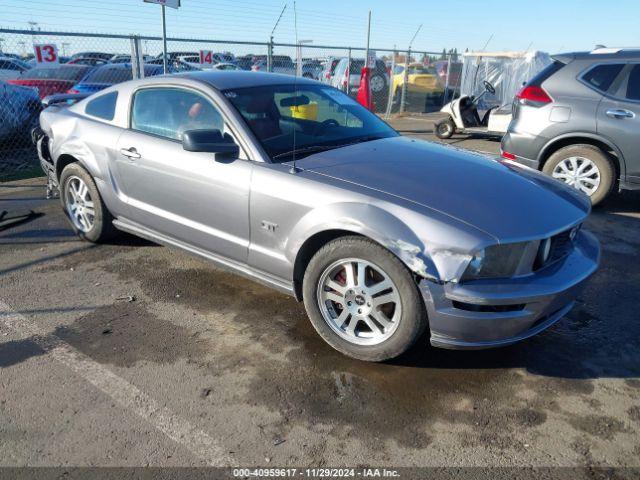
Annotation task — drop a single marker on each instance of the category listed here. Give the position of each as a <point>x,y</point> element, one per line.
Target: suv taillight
<point>533,95</point>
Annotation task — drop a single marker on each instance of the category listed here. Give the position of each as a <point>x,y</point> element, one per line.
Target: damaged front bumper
<point>41,141</point>
<point>498,312</point>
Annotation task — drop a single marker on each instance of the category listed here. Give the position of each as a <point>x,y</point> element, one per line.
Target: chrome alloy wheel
<point>359,301</point>
<point>79,204</point>
<point>578,172</point>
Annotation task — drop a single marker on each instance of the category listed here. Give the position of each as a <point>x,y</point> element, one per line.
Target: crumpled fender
<point>427,260</point>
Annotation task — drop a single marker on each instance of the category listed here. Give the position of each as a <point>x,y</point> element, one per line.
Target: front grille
<point>471,307</point>
<point>561,246</point>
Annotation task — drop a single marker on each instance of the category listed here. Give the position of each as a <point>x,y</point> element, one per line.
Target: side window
<point>169,112</point>
<point>633,84</point>
<point>601,77</point>
<point>103,107</point>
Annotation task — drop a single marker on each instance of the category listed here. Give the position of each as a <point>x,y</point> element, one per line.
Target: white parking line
<point>133,399</point>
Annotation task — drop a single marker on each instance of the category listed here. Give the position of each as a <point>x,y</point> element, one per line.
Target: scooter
<point>464,117</point>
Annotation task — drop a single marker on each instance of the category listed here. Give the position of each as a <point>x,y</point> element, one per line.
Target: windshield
<point>318,117</point>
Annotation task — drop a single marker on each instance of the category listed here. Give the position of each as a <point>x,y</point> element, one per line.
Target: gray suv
<point>578,120</point>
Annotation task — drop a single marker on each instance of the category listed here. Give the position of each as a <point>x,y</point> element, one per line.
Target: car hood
<point>509,202</point>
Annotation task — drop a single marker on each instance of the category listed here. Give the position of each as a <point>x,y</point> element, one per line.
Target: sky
<point>548,25</point>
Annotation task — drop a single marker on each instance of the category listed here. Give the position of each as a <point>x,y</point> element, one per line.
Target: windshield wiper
<point>320,148</point>
<point>309,149</point>
<point>367,138</point>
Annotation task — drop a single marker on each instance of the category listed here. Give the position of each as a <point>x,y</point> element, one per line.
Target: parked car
<point>455,74</point>
<point>329,68</point>
<point>422,84</point>
<point>101,55</point>
<point>19,109</point>
<point>171,56</point>
<point>578,120</point>
<point>381,236</point>
<point>226,67</point>
<point>110,74</point>
<point>11,68</point>
<point>280,64</point>
<point>245,62</point>
<point>378,82</point>
<point>312,68</point>
<point>174,66</point>
<point>127,58</point>
<point>90,61</point>
<point>49,80</point>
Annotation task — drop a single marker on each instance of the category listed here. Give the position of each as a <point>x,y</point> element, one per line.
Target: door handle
<point>131,153</point>
<point>619,113</point>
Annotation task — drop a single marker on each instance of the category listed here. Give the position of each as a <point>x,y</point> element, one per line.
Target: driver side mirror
<point>210,140</point>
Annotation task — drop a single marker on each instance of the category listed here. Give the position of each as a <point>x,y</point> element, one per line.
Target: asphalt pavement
<point>133,354</point>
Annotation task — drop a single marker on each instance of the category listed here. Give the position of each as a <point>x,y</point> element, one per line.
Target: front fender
<point>369,221</point>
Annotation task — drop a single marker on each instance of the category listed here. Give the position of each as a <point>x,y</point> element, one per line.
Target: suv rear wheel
<point>362,300</point>
<point>584,167</point>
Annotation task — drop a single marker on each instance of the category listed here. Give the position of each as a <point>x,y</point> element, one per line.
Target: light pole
<point>64,48</point>
<point>270,47</point>
<point>299,56</point>
<point>32,27</point>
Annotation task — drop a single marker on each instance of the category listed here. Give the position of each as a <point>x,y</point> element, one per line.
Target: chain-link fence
<point>36,64</point>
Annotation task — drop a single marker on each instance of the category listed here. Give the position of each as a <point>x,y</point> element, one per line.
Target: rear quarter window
<point>601,77</point>
<point>103,107</point>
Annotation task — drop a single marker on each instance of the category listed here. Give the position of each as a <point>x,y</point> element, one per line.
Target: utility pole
<point>169,3</point>
<point>64,48</point>
<point>270,46</point>
<point>32,27</point>
<point>405,79</point>
<point>366,54</point>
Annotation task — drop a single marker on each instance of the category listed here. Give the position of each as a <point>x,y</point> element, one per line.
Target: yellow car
<point>422,82</point>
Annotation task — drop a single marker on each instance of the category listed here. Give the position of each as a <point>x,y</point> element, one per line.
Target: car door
<point>618,118</point>
<point>198,198</point>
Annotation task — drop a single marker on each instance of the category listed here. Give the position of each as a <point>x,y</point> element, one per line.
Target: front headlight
<point>496,261</point>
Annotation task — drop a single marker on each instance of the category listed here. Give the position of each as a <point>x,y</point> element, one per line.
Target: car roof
<point>242,79</point>
<point>600,54</point>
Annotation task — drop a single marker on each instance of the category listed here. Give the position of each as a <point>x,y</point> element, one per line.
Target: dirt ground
<point>134,354</point>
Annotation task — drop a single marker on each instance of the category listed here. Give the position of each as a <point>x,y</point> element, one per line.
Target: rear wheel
<point>584,167</point>
<point>445,129</point>
<point>83,205</point>
<point>362,300</point>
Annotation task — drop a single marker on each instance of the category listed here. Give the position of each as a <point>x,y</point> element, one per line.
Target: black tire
<point>597,156</point>
<point>412,321</point>
<point>445,129</point>
<point>102,228</point>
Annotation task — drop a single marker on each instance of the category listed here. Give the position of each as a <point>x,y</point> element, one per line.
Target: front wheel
<point>584,167</point>
<point>445,129</point>
<point>362,300</point>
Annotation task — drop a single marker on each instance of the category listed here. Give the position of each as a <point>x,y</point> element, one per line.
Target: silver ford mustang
<point>292,183</point>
